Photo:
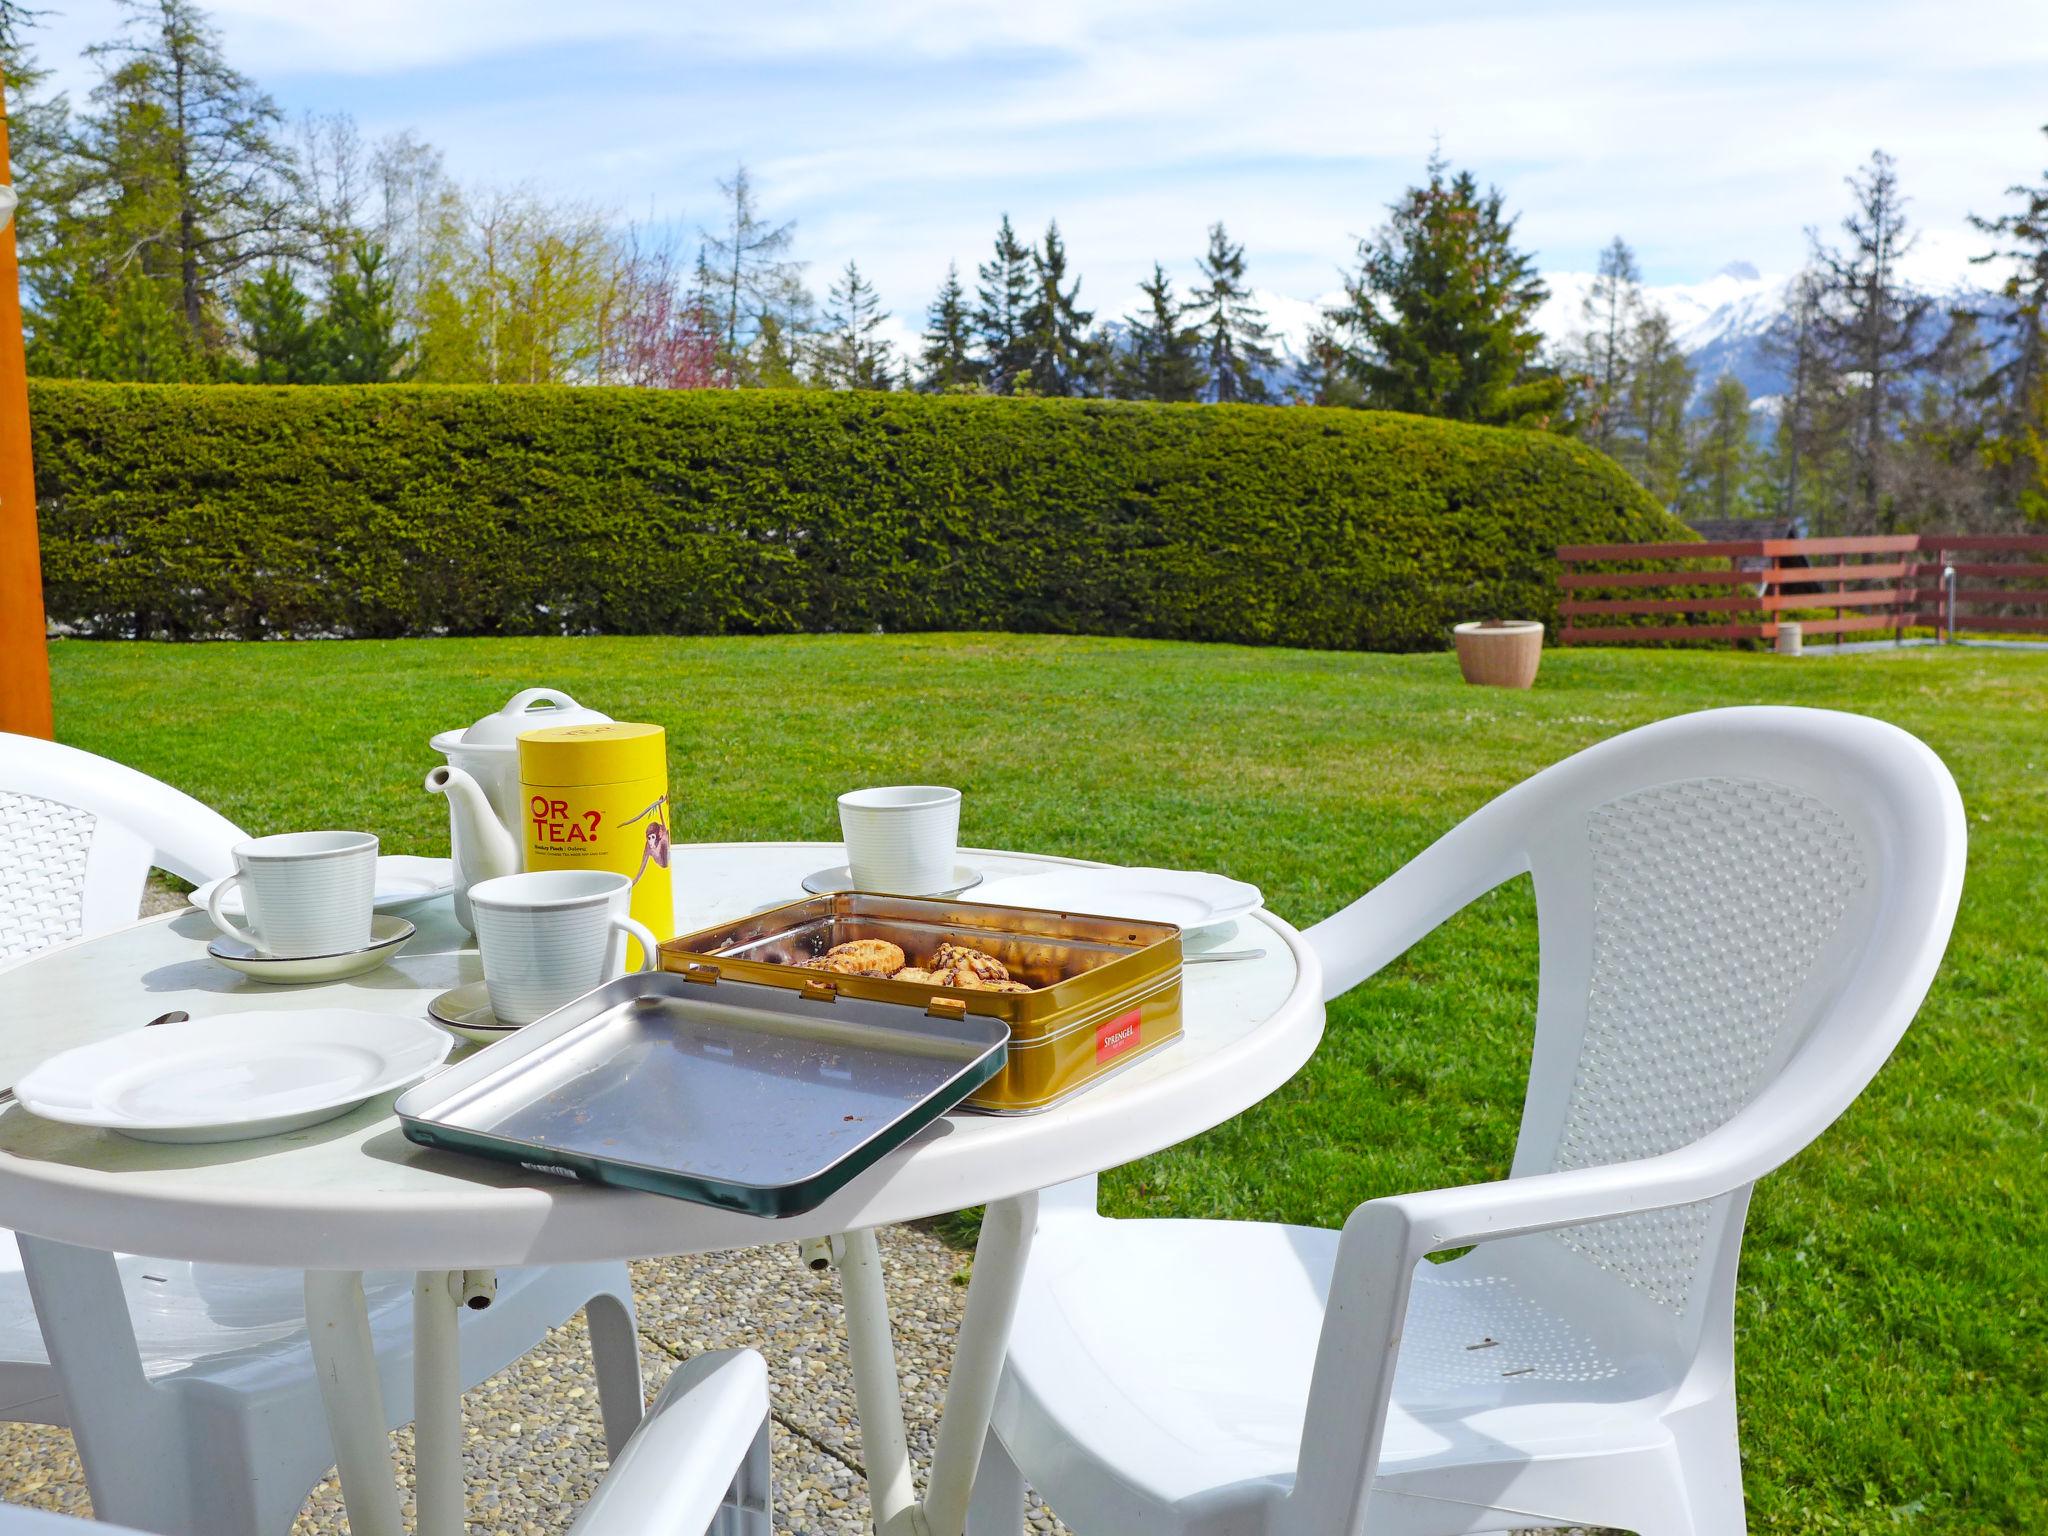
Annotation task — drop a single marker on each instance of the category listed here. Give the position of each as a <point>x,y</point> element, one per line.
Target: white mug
<point>903,840</point>
<point>304,893</point>
<point>550,935</point>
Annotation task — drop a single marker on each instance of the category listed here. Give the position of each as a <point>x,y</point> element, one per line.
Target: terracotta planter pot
<point>1500,653</point>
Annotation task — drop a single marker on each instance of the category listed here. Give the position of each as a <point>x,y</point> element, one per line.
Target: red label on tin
<point>1117,1036</point>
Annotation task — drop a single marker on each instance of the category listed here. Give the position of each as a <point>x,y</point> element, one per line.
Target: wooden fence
<point>1742,590</point>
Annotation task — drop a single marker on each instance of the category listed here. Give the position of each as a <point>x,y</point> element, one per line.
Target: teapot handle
<point>523,701</point>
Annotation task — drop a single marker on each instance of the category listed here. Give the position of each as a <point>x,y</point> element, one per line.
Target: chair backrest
<point>79,835</point>
<point>1727,902</point>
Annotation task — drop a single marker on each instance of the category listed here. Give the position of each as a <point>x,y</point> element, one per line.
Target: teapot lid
<point>530,709</point>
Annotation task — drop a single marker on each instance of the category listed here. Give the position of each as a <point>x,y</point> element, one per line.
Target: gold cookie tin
<point>1106,991</point>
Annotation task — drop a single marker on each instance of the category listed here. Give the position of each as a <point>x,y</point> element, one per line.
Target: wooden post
<point>24,648</point>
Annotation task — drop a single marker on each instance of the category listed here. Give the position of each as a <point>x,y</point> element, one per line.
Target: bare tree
<point>658,334</point>
<point>1792,345</point>
<point>339,184</point>
<point>1869,323</point>
<point>1610,311</point>
<point>2017,381</point>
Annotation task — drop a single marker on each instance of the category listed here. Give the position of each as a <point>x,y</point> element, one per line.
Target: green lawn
<point>1892,1315</point>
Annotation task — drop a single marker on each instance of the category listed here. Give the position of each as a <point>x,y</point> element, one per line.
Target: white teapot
<point>481,781</point>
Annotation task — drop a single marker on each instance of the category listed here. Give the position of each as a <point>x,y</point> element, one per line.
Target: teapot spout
<point>482,844</point>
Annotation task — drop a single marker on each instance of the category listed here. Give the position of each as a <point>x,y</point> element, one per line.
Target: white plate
<point>233,1077</point>
<point>829,882</point>
<point>1186,897</point>
<point>387,938</point>
<point>404,881</point>
<point>466,1010</point>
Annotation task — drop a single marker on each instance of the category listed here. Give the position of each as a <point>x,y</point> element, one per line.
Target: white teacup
<point>903,840</point>
<point>304,893</point>
<point>550,935</point>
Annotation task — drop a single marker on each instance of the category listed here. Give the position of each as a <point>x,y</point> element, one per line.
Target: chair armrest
<point>1433,1220</point>
<point>1383,1242</point>
<point>1481,852</point>
<point>680,1463</point>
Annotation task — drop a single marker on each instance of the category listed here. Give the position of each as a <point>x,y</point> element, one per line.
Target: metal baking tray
<point>711,1089</point>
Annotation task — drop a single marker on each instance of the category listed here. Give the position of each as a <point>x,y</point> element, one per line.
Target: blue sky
<point>898,131</point>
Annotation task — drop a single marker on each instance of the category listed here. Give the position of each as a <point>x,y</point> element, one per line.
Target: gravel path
<point>536,1446</point>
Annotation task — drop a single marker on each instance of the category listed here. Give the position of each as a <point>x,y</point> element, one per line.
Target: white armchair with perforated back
<point>146,1359</point>
<point>78,837</point>
<point>1739,913</point>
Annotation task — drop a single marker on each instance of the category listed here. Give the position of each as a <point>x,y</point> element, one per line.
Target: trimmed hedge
<point>205,510</point>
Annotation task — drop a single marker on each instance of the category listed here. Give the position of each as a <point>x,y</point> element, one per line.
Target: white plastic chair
<point>221,1430</point>
<point>698,1463</point>
<point>696,1466</point>
<point>1739,913</point>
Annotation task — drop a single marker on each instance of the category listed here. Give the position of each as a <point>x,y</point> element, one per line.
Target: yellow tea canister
<point>596,797</point>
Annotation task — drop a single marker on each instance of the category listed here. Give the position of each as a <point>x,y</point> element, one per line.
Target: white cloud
<point>374,36</point>
<point>897,131</point>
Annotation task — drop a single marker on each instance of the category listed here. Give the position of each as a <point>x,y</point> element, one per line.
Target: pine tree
<point>1162,358</point>
<point>1719,473</point>
<point>1007,282</point>
<point>2017,384</point>
<point>1235,341</point>
<point>1059,358</point>
<point>853,353</point>
<point>1611,308</point>
<point>1327,376</point>
<point>1935,477</point>
<point>282,335</point>
<point>746,276</point>
<point>1869,324</point>
<point>1444,307</point>
<point>1792,346</point>
<point>38,124</point>
<point>360,326</point>
<point>179,169</point>
<point>947,364</point>
<point>1660,385</point>
<point>774,361</point>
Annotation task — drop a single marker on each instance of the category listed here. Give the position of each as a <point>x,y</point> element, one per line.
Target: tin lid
<point>611,753</point>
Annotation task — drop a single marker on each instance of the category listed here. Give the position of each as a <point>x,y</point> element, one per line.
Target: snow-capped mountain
<point>1719,323</point>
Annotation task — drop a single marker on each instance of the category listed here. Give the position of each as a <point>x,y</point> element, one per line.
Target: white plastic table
<point>354,1195</point>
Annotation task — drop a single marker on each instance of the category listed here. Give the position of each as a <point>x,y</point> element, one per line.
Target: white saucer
<point>466,1010</point>
<point>1188,898</point>
<point>830,882</point>
<point>404,881</point>
<point>387,937</point>
<point>233,1077</point>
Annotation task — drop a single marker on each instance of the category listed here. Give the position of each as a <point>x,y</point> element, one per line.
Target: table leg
<point>344,1354</point>
<point>999,1259</point>
<point>437,1402</point>
<point>885,1448</point>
